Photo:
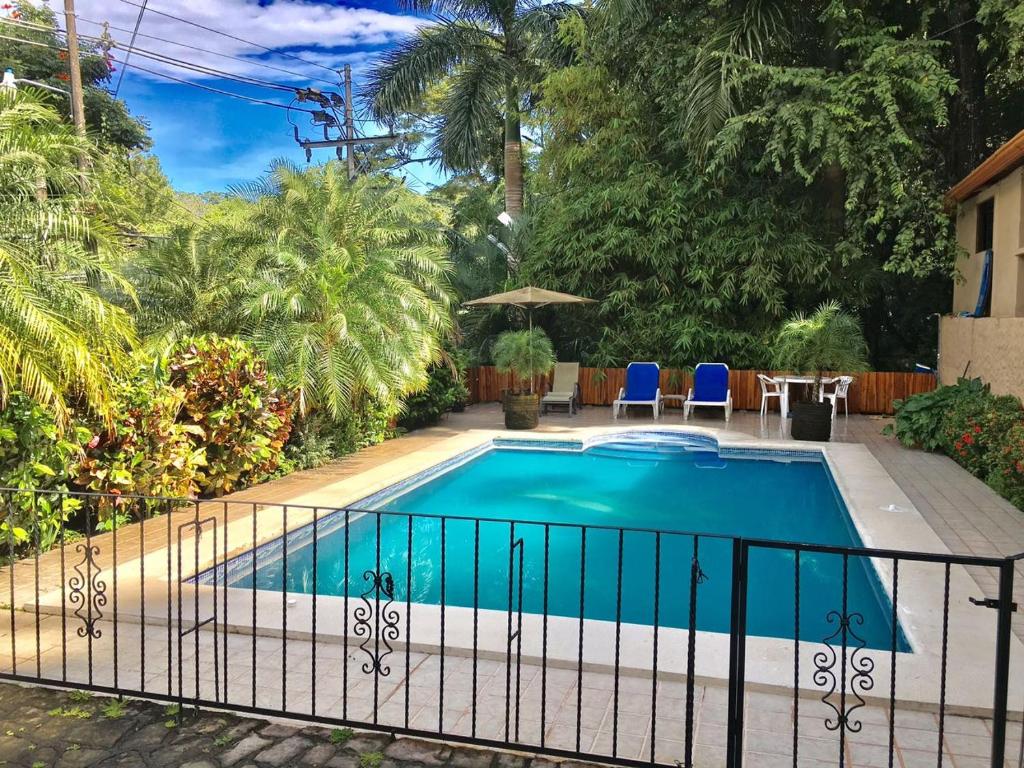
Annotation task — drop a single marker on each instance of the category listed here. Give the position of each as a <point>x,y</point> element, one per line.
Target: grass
<point>371,760</point>
<point>74,713</point>
<point>222,741</point>
<point>114,710</point>
<point>341,735</point>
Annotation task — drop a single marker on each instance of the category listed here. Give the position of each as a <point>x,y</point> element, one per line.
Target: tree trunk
<point>513,154</point>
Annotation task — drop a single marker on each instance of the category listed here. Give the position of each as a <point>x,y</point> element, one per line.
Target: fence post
<point>1002,681</point>
<point>737,654</point>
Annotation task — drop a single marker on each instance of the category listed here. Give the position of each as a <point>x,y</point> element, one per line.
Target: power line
<point>131,44</point>
<point>220,91</point>
<point>293,73</point>
<point>203,69</point>
<point>232,37</point>
<point>318,96</point>
<point>165,59</point>
<point>32,42</point>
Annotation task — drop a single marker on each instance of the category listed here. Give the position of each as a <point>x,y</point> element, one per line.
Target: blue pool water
<point>676,491</point>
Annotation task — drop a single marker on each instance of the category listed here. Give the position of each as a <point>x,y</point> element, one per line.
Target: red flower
<point>969,439</point>
<point>958,445</point>
<point>63,76</point>
<point>977,429</point>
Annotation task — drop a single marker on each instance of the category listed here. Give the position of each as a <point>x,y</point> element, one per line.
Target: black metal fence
<point>626,646</point>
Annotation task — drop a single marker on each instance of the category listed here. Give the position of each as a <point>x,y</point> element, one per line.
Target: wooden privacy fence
<point>872,392</point>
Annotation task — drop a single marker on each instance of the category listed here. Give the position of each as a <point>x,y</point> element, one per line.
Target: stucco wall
<point>994,347</point>
<point>1007,249</point>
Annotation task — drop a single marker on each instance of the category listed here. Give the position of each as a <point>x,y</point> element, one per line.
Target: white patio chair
<point>769,388</point>
<point>841,392</point>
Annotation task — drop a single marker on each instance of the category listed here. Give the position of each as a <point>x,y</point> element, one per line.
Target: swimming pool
<point>546,508</point>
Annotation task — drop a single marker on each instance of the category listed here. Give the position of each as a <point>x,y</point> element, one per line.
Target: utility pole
<point>74,66</point>
<point>350,132</point>
<point>348,139</point>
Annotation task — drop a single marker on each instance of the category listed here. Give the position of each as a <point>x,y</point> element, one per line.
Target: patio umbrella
<point>529,298</point>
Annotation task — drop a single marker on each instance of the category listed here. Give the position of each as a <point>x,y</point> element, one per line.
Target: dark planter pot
<point>812,421</point>
<point>522,411</point>
<point>458,406</point>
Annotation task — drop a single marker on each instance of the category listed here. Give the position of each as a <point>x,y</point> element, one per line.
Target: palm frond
<point>405,72</point>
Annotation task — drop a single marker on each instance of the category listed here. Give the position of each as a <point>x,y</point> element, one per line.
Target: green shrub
<point>975,427</point>
<point>921,419</point>
<point>423,409</point>
<point>148,451</point>
<point>1006,473</point>
<point>35,455</point>
<point>204,422</point>
<point>318,439</point>
<point>980,431</point>
<point>239,417</point>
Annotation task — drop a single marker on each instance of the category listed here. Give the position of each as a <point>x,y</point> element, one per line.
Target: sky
<point>208,142</point>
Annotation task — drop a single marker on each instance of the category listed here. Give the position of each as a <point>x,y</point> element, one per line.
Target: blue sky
<point>207,141</point>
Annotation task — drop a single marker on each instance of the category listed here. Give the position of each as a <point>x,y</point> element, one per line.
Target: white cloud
<point>320,33</point>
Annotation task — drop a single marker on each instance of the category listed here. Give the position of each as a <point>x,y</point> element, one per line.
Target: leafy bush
<point>976,427</point>
<point>444,389</point>
<point>234,412</point>
<point>920,419</point>
<point>34,455</point>
<point>980,431</point>
<point>1006,475</point>
<point>148,451</point>
<point>204,422</point>
<point>318,439</point>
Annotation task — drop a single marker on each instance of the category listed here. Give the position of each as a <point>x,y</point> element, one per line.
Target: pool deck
<point>961,513</point>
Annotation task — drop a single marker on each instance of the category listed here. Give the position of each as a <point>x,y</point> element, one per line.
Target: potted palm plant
<point>830,339</point>
<point>524,354</point>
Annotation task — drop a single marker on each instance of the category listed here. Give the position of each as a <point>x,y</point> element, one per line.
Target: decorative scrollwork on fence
<point>371,615</point>
<point>87,591</point>
<point>861,668</point>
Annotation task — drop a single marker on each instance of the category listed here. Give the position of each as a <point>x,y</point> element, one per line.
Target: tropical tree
<point>349,296</point>
<point>188,283</point>
<point>829,339</point>
<point>489,57</point>
<point>59,338</point>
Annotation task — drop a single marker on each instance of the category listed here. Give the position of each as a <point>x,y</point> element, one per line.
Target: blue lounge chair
<point>711,388</point>
<point>642,388</point>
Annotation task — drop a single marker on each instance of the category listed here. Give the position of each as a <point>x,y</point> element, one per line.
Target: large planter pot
<point>812,421</point>
<point>522,411</point>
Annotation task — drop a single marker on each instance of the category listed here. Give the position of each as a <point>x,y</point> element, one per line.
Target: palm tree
<point>489,56</point>
<point>59,339</point>
<point>350,296</point>
<point>189,283</point>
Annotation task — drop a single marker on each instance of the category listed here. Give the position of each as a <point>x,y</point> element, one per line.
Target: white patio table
<point>788,379</point>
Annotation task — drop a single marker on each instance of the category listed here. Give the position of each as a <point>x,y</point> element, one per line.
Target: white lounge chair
<point>642,388</point>
<point>710,388</point>
<point>565,389</point>
<point>841,392</point>
<point>769,388</point>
